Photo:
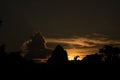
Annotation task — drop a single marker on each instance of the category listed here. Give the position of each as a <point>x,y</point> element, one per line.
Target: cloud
<point>36,47</point>
<point>76,45</point>
<point>53,45</point>
<point>87,41</point>
<point>82,45</point>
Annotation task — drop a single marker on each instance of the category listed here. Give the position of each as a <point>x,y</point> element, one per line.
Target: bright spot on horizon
<point>74,52</point>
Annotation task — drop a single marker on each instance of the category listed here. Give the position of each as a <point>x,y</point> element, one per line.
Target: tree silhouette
<point>59,56</point>
<point>2,48</point>
<point>92,59</point>
<point>76,58</point>
<point>16,58</point>
<point>3,54</point>
<point>110,52</point>
<point>0,22</point>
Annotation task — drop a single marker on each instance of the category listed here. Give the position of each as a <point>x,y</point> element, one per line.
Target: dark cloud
<point>96,36</point>
<point>65,45</point>
<point>36,47</point>
<point>53,45</point>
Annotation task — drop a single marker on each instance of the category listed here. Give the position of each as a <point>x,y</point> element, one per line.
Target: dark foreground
<point>74,71</point>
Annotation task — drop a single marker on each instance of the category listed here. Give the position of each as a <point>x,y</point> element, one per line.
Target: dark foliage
<point>111,54</point>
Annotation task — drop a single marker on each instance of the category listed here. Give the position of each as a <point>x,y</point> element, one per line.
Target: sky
<point>81,26</point>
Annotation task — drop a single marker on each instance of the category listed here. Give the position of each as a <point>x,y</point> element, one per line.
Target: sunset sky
<point>80,26</point>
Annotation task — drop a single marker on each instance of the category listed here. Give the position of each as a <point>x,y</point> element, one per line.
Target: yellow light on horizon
<point>72,53</point>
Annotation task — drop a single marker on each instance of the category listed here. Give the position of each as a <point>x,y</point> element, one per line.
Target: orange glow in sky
<point>80,52</point>
<point>74,52</point>
<point>78,46</point>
